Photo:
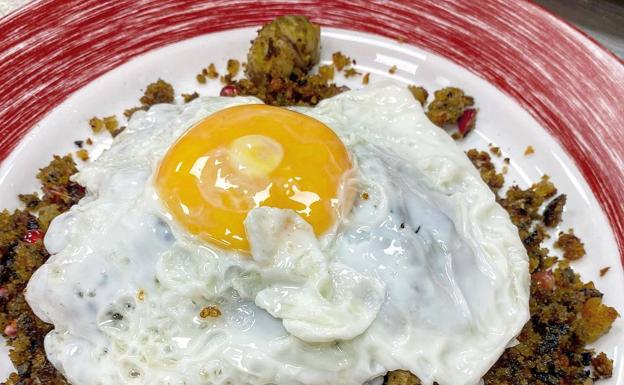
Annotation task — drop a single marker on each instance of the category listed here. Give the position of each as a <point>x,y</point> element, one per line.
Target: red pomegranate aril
<point>32,236</point>
<point>467,121</point>
<point>544,279</point>
<point>229,90</point>
<point>11,329</point>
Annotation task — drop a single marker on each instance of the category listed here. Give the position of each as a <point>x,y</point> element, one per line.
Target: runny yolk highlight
<point>249,156</point>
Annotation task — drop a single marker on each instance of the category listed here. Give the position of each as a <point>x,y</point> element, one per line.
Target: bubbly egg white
<point>426,273</point>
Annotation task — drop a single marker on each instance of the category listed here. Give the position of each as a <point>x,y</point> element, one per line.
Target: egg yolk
<point>249,156</point>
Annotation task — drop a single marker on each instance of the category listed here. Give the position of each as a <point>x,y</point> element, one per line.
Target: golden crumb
<point>210,311</point>
<point>350,72</point>
<point>89,141</point>
<point>211,71</point>
<point>233,66</point>
<point>554,211</point>
<point>188,97</point>
<point>201,78</point>
<point>130,111</point>
<point>141,295</point>
<point>97,124</point>
<point>326,72</point>
<point>603,366</point>
<point>496,151</point>
<point>604,270</point>
<point>544,189</point>
<point>448,105</point>
<point>529,150</point>
<point>83,155</point>
<point>573,248</point>
<point>419,93</point>
<point>158,92</point>
<point>401,377</point>
<point>595,321</point>
<point>365,196</point>
<point>366,78</point>
<point>457,135</point>
<point>483,162</point>
<point>111,124</point>
<point>393,70</point>
<point>340,60</point>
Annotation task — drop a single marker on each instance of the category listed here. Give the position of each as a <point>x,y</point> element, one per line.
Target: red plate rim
<point>568,82</point>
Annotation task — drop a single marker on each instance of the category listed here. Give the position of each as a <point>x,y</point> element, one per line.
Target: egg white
<point>428,274</point>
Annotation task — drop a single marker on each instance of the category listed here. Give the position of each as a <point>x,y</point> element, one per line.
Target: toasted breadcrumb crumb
<point>117,131</point>
<point>544,189</point>
<point>366,78</point>
<point>554,211</point>
<point>130,111</point>
<point>97,125</point>
<point>496,151</point>
<point>401,377</point>
<point>482,161</point>
<point>141,295</point>
<point>340,61</point>
<point>201,78</point>
<point>82,155</point>
<point>22,252</point>
<point>565,312</point>
<point>210,311</point>
<point>595,321</point>
<point>529,151</point>
<point>233,67</point>
<point>111,124</point>
<point>420,93</point>
<point>211,72</point>
<point>448,105</point>
<point>604,270</point>
<point>188,97</point>
<point>392,70</point>
<point>571,245</point>
<point>89,141</point>
<point>326,72</point>
<point>457,135</point>
<point>350,72</point>
<point>603,366</point>
<point>157,92</point>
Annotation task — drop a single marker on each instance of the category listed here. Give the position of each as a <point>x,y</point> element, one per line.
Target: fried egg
<point>228,242</point>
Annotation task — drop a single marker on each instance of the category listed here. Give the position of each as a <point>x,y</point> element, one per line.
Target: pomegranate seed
<point>11,329</point>
<point>33,236</point>
<point>467,121</point>
<point>229,90</point>
<point>544,280</point>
